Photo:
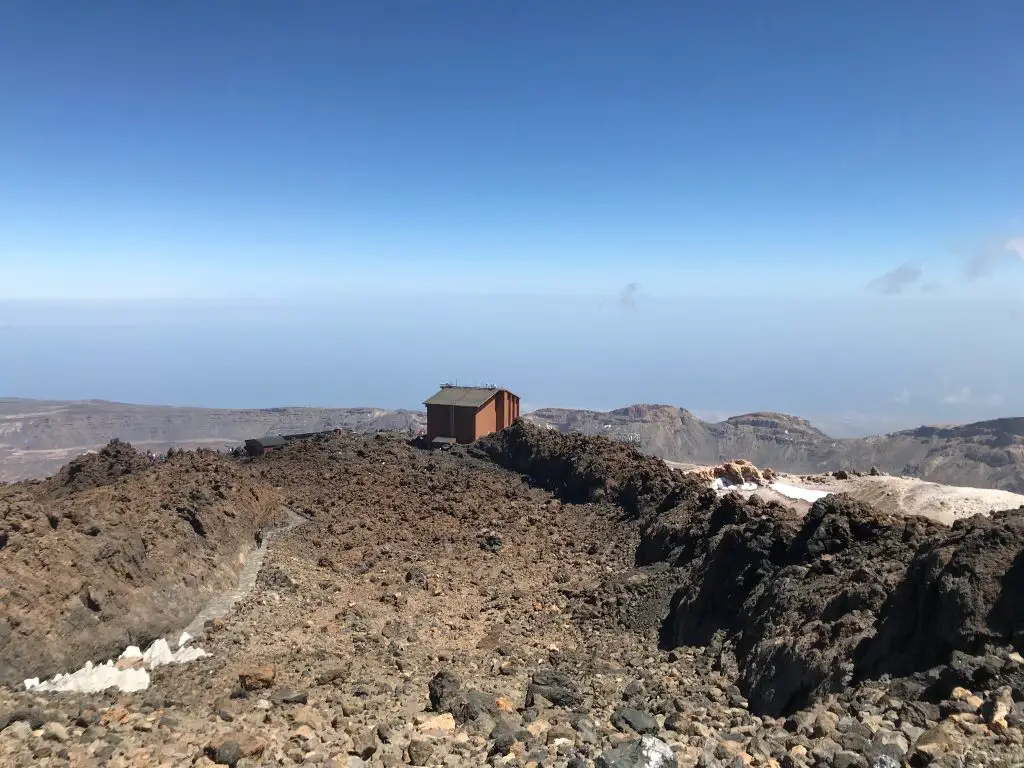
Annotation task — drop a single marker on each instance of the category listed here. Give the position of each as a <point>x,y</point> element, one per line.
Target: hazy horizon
<point>842,369</point>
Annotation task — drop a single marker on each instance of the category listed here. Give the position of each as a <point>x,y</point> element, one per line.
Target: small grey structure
<point>262,445</point>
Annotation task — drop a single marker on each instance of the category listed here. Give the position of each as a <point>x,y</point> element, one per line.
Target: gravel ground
<point>438,609</point>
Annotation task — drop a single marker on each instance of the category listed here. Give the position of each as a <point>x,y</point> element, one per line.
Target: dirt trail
<point>221,604</point>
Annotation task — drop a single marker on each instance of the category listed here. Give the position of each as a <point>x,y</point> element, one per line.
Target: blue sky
<point>743,151</point>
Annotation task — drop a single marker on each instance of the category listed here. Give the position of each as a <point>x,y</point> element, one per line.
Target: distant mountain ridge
<point>988,454</point>
<point>39,436</point>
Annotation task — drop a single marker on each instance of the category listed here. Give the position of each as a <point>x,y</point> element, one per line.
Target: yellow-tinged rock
<point>445,722</point>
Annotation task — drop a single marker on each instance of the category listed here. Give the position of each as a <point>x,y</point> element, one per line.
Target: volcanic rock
<point>646,752</point>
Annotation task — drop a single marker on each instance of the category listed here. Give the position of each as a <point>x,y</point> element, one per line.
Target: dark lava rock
<point>227,753</point>
<point>559,689</point>
<point>417,578</point>
<point>503,737</point>
<point>796,600</point>
<point>676,722</point>
<point>105,467</point>
<point>364,745</point>
<point>446,695</point>
<point>961,591</point>
<point>420,752</point>
<point>443,688</point>
<point>491,542</point>
<point>639,721</point>
<point>289,696</point>
<point>582,469</point>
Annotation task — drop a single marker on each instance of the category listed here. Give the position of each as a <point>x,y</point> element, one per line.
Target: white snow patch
<point>722,486</point>
<point>800,494</point>
<point>157,654</point>
<point>93,678</point>
<point>185,655</point>
<point>655,753</point>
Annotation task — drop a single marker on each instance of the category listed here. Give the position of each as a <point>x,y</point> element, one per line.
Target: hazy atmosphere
<point>852,366</point>
<point>792,209</point>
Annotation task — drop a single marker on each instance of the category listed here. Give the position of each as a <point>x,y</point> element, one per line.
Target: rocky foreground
<point>112,551</point>
<point>538,599</point>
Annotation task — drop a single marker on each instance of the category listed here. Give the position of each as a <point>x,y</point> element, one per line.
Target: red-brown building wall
<point>487,418</point>
<point>506,410</point>
<point>442,418</point>
<point>472,423</point>
<point>437,421</point>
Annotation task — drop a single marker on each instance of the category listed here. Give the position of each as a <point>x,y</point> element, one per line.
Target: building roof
<point>269,441</point>
<point>470,397</point>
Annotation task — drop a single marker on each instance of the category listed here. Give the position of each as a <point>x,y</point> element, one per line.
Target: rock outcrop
<point>582,469</point>
<point>811,606</point>
<point>114,552</point>
<point>988,454</point>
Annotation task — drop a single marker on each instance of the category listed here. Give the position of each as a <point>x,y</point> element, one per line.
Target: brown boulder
<point>257,678</point>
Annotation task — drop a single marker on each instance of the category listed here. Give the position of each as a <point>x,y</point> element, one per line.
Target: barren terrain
<point>892,495</point>
<point>538,600</point>
<point>988,454</point>
<point>38,436</point>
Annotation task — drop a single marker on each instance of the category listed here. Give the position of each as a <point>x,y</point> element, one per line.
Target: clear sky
<point>627,153</point>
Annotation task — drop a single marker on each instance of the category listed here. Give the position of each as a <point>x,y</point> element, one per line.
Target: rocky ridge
<point>113,551</point>
<point>549,600</point>
<point>38,437</point>
<point>986,454</point>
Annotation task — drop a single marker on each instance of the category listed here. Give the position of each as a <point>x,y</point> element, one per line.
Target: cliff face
<point>986,454</point>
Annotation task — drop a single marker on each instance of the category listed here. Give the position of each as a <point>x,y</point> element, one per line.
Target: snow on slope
<point>129,673</point>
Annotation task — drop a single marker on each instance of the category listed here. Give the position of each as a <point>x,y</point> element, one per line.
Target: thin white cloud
<point>960,397</point>
<point>967,396</point>
<point>1016,245</point>
<point>902,398</point>
<point>628,297</point>
<point>896,281</point>
<point>982,261</point>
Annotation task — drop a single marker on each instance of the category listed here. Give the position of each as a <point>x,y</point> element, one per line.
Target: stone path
<point>222,603</point>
